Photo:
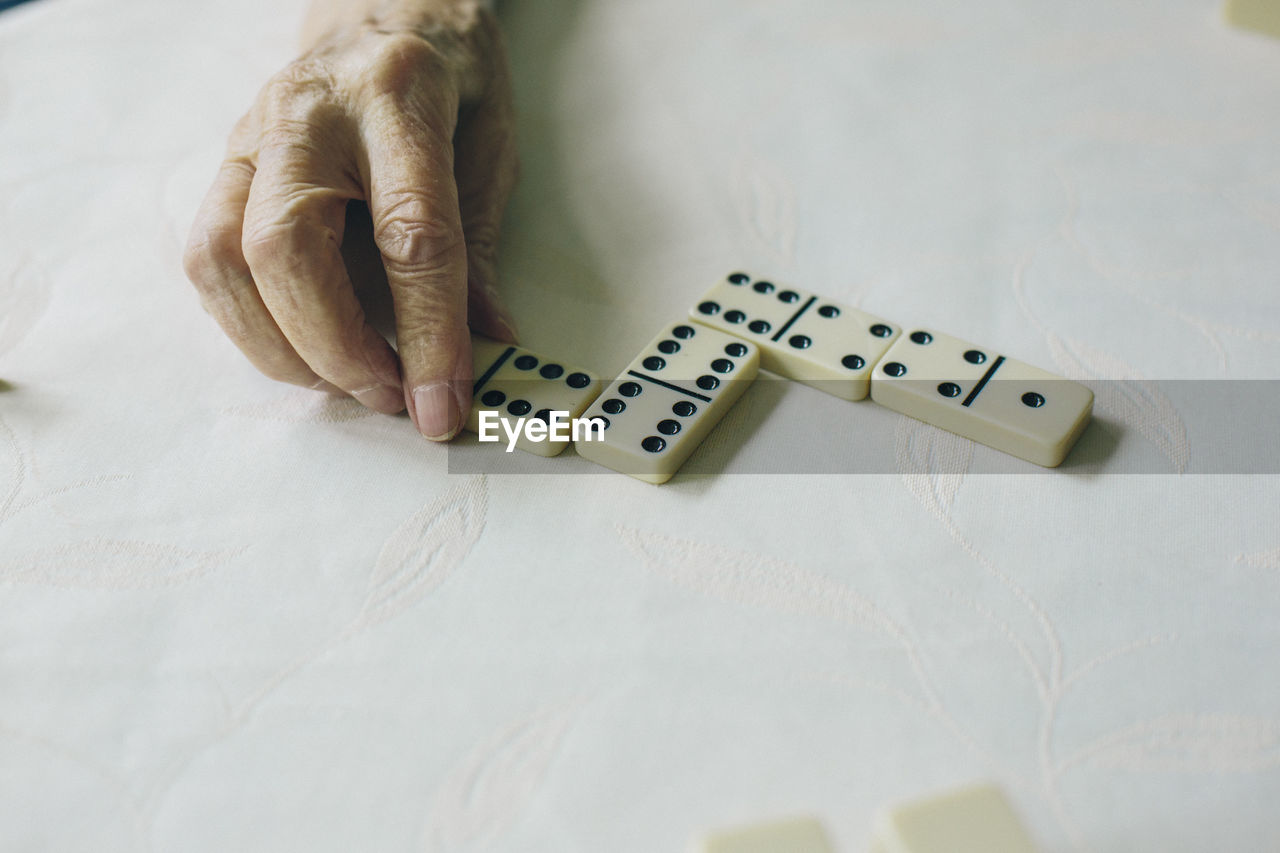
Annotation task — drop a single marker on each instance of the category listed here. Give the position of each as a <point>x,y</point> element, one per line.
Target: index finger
<point>418,229</point>
<point>292,234</point>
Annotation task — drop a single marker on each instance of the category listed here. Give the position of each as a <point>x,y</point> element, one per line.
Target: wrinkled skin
<point>405,104</point>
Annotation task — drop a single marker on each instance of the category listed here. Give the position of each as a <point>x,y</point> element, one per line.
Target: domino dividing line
<point>677,388</point>
<point>794,317</point>
<point>493,368</point>
<point>991,371</point>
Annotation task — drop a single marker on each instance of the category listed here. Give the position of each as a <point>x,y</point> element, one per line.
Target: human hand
<point>409,108</point>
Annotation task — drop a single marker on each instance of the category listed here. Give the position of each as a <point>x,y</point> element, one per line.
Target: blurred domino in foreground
<point>971,820</point>
<point>1262,16</point>
<point>802,336</point>
<point>795,835</point>
<point>668,399</point>
<point>979,394</point>
<point>515,383</point>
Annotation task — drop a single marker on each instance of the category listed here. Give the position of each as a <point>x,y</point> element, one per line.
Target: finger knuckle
<point>276,243</point>
<point>294,135</point>
<point>402,62</point>
<point>307,77</point>
<point>297,100</point>
<point>411,238</point>
<point>306,136</point>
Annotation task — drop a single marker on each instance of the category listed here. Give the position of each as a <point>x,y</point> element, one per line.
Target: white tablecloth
<point>236,615</point>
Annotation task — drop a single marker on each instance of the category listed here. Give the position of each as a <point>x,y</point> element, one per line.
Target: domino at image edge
<point>1262,16</point>
<point>973,819</point>
<point>802,834</point>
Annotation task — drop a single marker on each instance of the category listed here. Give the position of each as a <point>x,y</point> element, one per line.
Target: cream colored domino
<point>979,394</point>
<point>667,400</point>
<point>793,835</point>
<point>801,335</point>
<point>972,820</point>
<point>1262,16</point>
<point>517,383</point>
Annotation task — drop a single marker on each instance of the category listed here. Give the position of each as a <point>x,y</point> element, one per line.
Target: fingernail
<point>381,398</point>
<point>437,409</point>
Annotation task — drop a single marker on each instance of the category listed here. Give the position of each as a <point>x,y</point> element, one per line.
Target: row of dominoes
<point>671,396</point>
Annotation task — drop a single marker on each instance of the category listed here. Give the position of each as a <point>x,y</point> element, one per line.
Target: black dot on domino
<point>895,368</point>
<point>829,311</point>
<point>734,316</point>
<point>602,418</point>
<point>788,296</point>
<point>684,408</point>
<point>735,350</point>
<point>1032,399</point>
<point>949,389</point>
<point>853,362</point>
<point>613,406</point>
<point>654,362</point>
<point>493,398</point>
<point>722,365</point>
<point>800,341</point>
<point>760,327</point>
<point>526,362</point>
<point>578,380</point>
<point>551,371</point>
<point>707,382</point>
<point>921,338</point>
<point>709,308</point>
<point>668,347</point>
<point>683,332</point>
<point>668,427</point>
<point>653,444</point>
<point>630,389</point>
<point>543,415</point>
<point>880,330</point>
<point>974,356</point>
<point>762,287</point>
<point>519,407</point>
<point>739,278</point>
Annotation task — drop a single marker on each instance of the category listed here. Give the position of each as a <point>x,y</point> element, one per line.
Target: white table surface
<point>236,615</point>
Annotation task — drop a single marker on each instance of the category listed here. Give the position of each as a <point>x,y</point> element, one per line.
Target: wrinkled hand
<point>412,114</point>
